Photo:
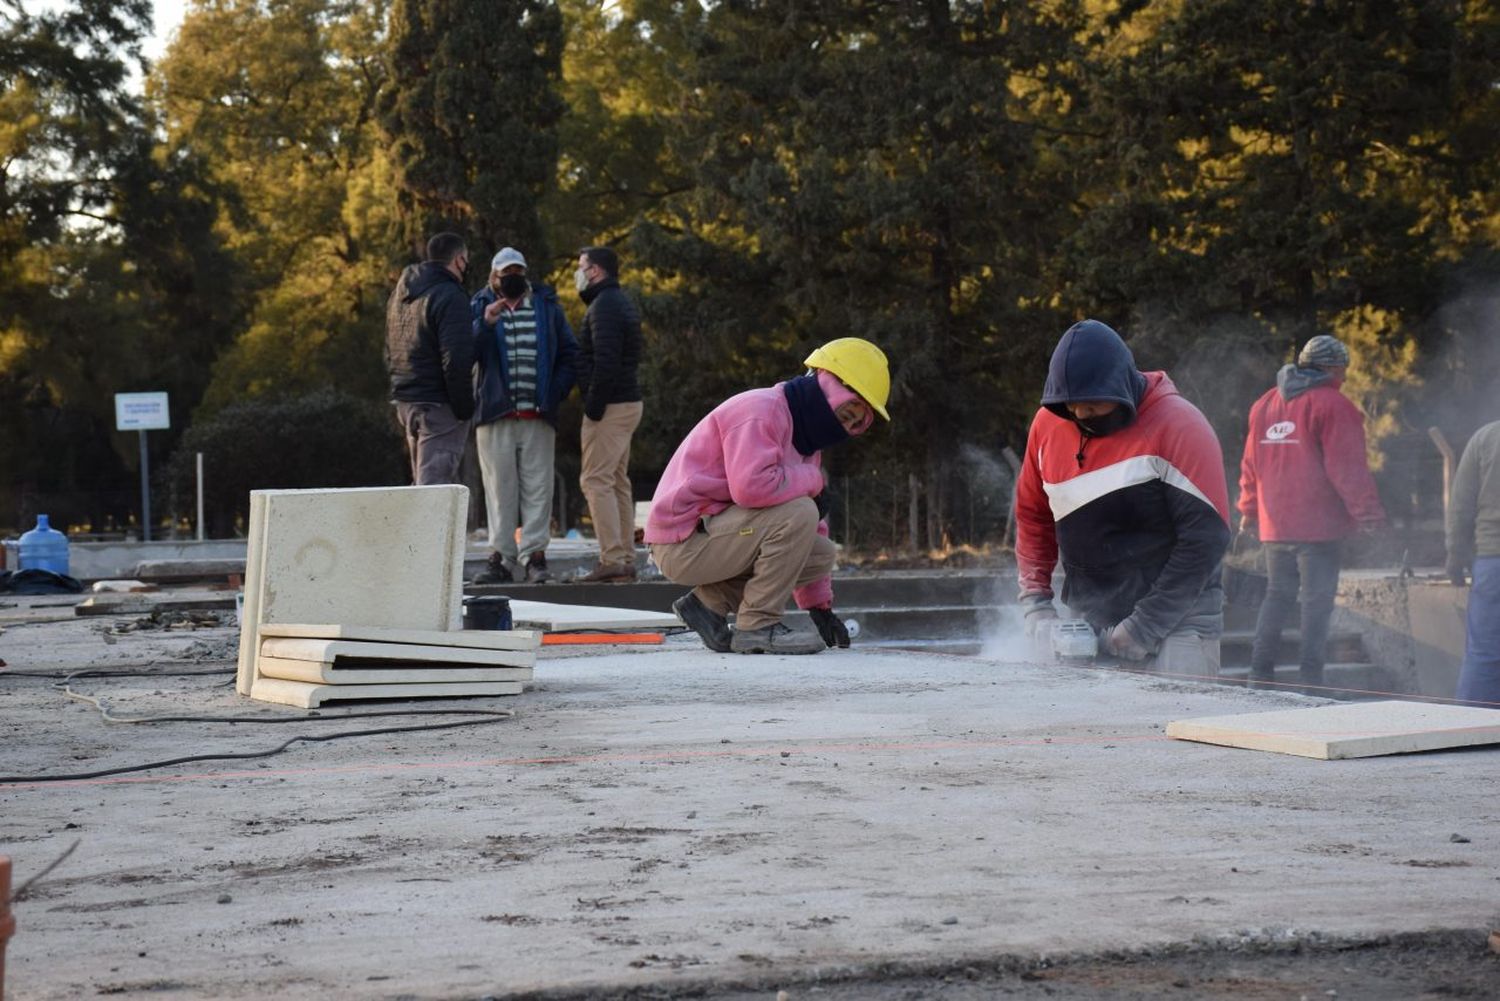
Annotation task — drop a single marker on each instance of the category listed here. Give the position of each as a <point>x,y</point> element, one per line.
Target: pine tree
<point>471,113</point>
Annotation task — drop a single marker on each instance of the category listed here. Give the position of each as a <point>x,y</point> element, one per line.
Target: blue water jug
<point>44,548</point>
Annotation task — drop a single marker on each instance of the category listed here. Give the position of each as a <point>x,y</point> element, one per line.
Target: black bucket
<point>487,611</point>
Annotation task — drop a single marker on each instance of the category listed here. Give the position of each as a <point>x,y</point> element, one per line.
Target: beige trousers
<point>604,478</point>
<point>749,560</point>
<point>515,460</point>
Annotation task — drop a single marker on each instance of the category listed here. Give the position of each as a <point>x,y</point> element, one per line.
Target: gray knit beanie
<point>1323,351</point>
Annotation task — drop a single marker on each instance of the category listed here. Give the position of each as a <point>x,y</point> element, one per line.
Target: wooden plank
<point>309,696</point>
<point>363,654</point>
<point>1349,730</point>
<point>478,639</point>
<point>323,673</point>
<point>556,618</point>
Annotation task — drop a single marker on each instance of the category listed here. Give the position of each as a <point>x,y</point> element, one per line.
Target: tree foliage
<point>956,180</point>
<point>470,113</point>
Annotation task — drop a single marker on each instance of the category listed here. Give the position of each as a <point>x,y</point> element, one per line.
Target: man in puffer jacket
<point>1305,486</point>
<point>739,514</point>
<point>429,353</point>
<point>1124,481</point>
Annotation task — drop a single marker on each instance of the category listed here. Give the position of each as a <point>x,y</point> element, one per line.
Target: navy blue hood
<point>1091,362</point>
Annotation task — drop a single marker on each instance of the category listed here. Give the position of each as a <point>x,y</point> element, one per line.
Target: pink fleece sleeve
<point>818,594</point>
<point>759,475</point>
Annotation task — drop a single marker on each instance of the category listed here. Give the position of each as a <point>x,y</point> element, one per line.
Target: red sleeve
<point>1249,499</point>
<point>1342,438</point>
<point>1036,532</point>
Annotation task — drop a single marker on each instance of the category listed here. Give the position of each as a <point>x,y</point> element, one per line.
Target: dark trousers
<point>1309,570</point>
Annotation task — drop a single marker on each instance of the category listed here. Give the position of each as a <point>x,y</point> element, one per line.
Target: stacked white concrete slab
<point>352,575</point>
<point>555,618</point>
<point>1349,730</point>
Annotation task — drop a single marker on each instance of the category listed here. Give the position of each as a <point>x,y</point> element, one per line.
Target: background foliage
<point>956,180</point>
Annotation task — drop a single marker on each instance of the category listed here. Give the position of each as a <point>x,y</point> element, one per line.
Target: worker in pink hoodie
<point>737,514</point>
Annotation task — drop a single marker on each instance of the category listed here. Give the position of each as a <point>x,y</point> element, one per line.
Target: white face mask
<point>580,279</point>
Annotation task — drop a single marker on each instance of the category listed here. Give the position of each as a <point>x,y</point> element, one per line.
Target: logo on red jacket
<point>1281,430</point>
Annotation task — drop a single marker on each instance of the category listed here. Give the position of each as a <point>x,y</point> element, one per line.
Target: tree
<point>279,102</point>
<point>470,113</point>
<point>103,252</point>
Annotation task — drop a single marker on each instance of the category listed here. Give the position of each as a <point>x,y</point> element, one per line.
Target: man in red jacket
<point>1305,486</point>
<point>1123,482</point>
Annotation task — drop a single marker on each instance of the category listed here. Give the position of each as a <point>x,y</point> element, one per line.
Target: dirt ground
<point>674,823</point>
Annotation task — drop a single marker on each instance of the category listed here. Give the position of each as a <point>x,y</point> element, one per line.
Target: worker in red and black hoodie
<point>1305,486</point>
<point>1124,481</point>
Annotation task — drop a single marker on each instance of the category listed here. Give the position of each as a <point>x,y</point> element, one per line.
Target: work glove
<point>830,627</point>
<point>1038,614</point>
<point>1456,572</point>
<point>1121,642</point>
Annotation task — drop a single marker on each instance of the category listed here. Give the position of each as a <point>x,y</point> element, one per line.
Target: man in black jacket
<point>610,340</point>
<point>429,351</point>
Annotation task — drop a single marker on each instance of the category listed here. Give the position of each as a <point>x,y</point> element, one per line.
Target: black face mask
<point>513,286</point>
<point>1117,419</point>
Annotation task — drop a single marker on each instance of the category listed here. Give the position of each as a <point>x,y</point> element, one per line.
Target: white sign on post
<point>141,412</point>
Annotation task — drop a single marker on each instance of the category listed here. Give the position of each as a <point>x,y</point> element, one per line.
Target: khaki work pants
<point>749,560</point>
<point>605,480</point>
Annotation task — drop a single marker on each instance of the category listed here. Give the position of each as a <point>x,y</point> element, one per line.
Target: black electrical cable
<point>493,717</point>
<point>490,716</point>
<point>94,673</point>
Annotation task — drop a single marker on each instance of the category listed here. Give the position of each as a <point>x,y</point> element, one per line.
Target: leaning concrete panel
<point>478,639</point>
<point>357,653</point>
<point>336,673</point>
<point>308,696</point>
<point>375,556</point>
<point>1357,730</point>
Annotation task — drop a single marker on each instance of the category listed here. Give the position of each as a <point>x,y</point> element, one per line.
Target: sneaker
<point>710,626</point>
<point>495,572</point>
<point>536,568</point>
<point>614,573</point>
<point>776,638</point>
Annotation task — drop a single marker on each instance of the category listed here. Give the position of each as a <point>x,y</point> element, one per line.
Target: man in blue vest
<point>527,364</point>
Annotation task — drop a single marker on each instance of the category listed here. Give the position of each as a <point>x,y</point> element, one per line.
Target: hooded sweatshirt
<point>1474,510</point>
<point>429,342</point>
<point>1139,516</point>
<point>1303,474</point>
<point>740,454</point>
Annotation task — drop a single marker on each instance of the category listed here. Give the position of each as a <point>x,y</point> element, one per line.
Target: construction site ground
<point>669,822</point>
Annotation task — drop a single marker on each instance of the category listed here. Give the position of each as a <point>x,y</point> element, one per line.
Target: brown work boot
<point>610,573</point>
<point>776,638</point>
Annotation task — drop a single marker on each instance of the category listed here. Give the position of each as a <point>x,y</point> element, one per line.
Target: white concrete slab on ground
<point>556,618</point>
<point>477,639</point>
<point>376,556</point>
<point>323,672</point>
<point>1352,730</point>
<point>310,696</point>
<point>358,653</point>
<point>651,818</point>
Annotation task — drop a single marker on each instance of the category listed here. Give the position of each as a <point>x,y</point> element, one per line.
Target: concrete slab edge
<point>789,977</point>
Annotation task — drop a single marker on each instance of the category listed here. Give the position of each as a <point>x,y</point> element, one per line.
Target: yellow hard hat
<point>860,365</point>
